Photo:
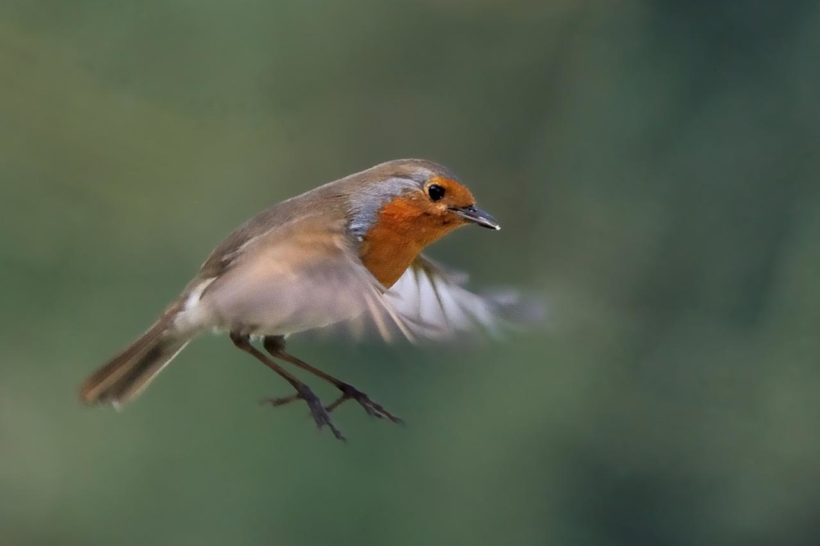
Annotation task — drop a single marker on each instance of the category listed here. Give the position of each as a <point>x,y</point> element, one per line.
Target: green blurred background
<point>654,167</point>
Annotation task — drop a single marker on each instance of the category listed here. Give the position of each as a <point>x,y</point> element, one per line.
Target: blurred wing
<point>301,276</point>
<point>431,302</point>
<point>435,302</point>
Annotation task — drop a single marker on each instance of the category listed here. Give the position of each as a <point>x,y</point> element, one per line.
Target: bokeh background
<point>654,164</point>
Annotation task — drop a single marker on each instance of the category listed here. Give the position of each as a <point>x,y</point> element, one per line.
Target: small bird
<point>346,253</point>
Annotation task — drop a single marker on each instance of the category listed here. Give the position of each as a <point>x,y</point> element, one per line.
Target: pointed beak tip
<point>488,223</point>
<point>478,216</point>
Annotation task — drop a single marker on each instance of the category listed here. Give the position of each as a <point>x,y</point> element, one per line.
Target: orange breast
<point>401,231</point>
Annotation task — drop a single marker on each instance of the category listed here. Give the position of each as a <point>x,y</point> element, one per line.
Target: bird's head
<point>400,207</point>
<point>415,196</point>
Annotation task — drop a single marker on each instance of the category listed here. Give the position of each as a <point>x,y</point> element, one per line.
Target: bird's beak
<point>477,216</point>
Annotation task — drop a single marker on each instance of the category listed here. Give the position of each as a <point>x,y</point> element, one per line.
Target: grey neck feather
<point>366,204</point>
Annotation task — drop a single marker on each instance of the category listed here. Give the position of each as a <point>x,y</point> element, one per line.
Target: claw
<point>317,411</point>
<point>370,407</point>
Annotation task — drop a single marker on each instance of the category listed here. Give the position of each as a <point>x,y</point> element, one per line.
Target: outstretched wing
<point>437,304</point>
<point>431,302</point>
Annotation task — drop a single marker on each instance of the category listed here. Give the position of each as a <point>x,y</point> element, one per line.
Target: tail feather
<point>126,375</point>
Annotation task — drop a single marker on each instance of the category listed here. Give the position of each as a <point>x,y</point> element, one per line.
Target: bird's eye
<point>435,192</point>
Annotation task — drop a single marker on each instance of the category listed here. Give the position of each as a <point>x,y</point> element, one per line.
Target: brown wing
<point>302,275</point>
<point>227,251</point>
<point>325,201</point>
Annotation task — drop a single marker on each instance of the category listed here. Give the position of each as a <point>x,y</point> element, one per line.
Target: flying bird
<point>346,254</point>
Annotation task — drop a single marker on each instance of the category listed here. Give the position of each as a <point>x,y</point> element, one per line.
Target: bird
<point>345,255</point>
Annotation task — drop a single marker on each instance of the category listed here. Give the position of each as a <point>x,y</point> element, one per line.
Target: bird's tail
<point>126,375</point>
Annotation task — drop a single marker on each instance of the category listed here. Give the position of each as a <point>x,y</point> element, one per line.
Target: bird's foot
<point>320,415</point>
<point>374,409</point>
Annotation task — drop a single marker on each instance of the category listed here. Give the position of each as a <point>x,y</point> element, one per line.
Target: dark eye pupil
<point>435,192</point>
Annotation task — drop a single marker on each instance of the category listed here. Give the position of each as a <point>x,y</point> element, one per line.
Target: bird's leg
<point>303,392</point>
<point>275,345</point>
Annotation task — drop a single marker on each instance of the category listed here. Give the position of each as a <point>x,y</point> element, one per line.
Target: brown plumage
<point>347,252</point>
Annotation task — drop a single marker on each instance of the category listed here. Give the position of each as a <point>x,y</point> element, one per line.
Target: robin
<point>346,253</point>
